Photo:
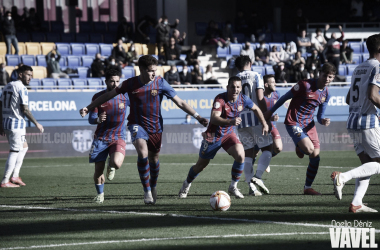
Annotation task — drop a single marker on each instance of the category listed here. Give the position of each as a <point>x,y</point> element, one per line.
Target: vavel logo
<point>346,236</point>
<point>197,136</point>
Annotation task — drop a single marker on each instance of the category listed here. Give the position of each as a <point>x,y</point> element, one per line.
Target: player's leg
<point>277,142</point>
<point>16,179</point>
<point>312,168</point>
<point>99,181</point>
<point>98,155</point>
<point>154,147</point>
<point>14,139</point>
<point>236,150</point>
<point>117,153</point>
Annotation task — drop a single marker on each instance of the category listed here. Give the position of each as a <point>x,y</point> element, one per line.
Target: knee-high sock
<point>191,175</point>
<point>263,163</point>
<point>10,166</point>
<point>20,159</point>
<point>360,190</point>
<point>365,170</point>
<point>143,167</point>
<point>248,168</point>
<point>311,171</point>
<point>99,188</point>
<point>154,171</point>
<point>236,171</point>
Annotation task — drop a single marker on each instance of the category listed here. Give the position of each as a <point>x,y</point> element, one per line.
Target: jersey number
<point>356,88</point>
<point>247,90</point>
<point>9,95</point>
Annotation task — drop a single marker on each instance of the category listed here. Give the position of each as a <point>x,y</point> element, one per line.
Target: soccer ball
<point>220,201</point>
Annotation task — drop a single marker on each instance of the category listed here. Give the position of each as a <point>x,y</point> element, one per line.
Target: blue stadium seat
<point>34,83</point>
<point>23,37</point>
<point>78,49</point>
<point>179,68</point>
<point>37,37</point>
<point>356,47</point>
<point>81,38</point>
<point>112,27</point>
<point>181,56</point>
<point>83,72</point>
<point>348,78</point>
<point>67,37</point>
<point>129,72</point>
<point>63,62</point>
<point>365,49</point>
<point>278,37</point>
<point>342,70</point>
<point>240,37</point>
<point>85,27</point>
<point>156,56</point>
<point>269,70</point>
<point>253,46</point>
<point>64,83</point>
<point>94,82</point>
<point>79,83</point>
<point>235,49</point>
<point>96,38</point>
<point>28,60</point>
<point>41,60</point>
<point>200,28</point>
<point>350,69</point>
<point>57,26</point>
<point>365,57</point>
<point>73,61</point>
<point>357,58</point>
<point>258,69</point>
<point>222,52</point>
<point>13,60</point>
<point>105,49</point>
<point>49,83</point>
<point>91,49</point>
<point>99,27</point>
<point>52,37</point>
<point>64,48</point>
<point>279,46</point>
<point>87,61</point>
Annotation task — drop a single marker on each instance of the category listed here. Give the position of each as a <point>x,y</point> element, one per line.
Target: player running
<point>13,107</point>
<point>221,133</point>
<point>363,126</point>
<point>145,121</point>
<point>250,128</point>
<point>110,134</point>
<point>306,96</point>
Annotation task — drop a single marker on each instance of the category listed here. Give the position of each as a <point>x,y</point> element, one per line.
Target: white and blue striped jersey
<point>14,95</point>
<point>250,81</point>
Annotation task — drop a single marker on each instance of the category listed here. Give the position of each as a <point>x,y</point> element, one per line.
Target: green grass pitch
<point>55,210</point>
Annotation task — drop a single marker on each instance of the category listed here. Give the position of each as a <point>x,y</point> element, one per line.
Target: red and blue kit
<point>271,101</point>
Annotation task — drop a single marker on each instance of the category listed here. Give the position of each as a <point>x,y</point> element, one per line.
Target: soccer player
<point>145,121</point>
<point>221,133</point>
<point>306,96</point>
<point>250,128</point>
<point>110,134</point>
<point>13,107</point>
<point>363,126</point>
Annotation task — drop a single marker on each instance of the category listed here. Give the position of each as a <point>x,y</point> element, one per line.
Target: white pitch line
<point>165,239</point>
<point>176,216</point>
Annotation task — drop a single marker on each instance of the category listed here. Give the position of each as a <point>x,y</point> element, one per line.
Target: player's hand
<point>275,118</point>
<point>40,127</point>
<point>235,121</point>
<point>268,115</point>
<point>177,21</point>
<point>102,117</point>
<point>265,129</point>
<point>326,121</point>
<point>83,112</point>
<point>202,121</point>
<point>2,133</point>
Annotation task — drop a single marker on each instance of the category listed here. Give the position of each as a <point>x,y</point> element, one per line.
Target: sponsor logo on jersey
<point>82,140</point>
<point>296,87</point>
<point>121,106</point>
<point>216,105</point>
<point>154,92</point>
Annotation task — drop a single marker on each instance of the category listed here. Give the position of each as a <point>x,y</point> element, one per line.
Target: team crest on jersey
<point>377,77</point>
<point>296,87</point>
<point>121,106</point>
<point>82,140</point>
<point>323,99</point>
<point>154,92</point>
<point>240,108</point>
<point>197,136</point>
<point>216,105</point>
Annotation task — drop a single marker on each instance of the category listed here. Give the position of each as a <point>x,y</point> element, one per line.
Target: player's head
<point>327,74</point>
<point>373,44</point>
<point>269,83</point>
<point>112,79</point>
<point>233,87</point>
<point>243,63</point>
<point>25,74</point>
<point>148,66</point>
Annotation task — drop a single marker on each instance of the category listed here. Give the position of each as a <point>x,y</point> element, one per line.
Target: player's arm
<point>219,121</point>
<point>28,114</point>
<point>98,101</point>
<point>95,118</point>
<point>1,119</point>
<point>348,97</point>
<point>189,110</point>
<point>321,113</point>
<point>373,95</point>
<point>260,115</point>
<point>279,103</point>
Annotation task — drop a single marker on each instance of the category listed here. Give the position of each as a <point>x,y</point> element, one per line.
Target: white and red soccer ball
<point>220,201</point>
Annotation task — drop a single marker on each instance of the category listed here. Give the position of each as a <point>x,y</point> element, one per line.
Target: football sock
<point>10,166</point>
<point>365,170</point>
<point>154,171</point>
<point>248,169</point>
<point>143,167</point>
<point>311,171</point>
<point>360,190</point>
<point>20,159</point>
<point>263,163</point>
<point>237,169</point>
<point>233,183</point>
<point>191,176</point>
<point>99,188</point>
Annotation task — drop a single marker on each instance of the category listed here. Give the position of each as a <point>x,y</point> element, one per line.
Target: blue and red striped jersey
<point>146,102</point>
<point>113,128</point>
<point>306,98</point>
<point>271,101</point>
<point>215,133</point>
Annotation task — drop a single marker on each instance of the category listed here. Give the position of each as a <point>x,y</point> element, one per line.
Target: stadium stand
<point>33,48</point>
<point>41,60</point>
<point>64,83</point>
<point>87,61</point>
<point>21,49</point>
<point>79,83</point>
<point>83,72</point>
<point>34,83</point>
<point>13,60</point>
<point>78,49</point>
<point>74,61</point>
<point>28,60</point>
<point>91,49</point>
<point>49,83</point>
<point>46,48</point>
<point>64,49</point>
<point>105,49</point>
<point>39,72</point>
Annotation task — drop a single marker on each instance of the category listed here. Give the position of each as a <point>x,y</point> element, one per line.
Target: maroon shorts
<point>313,135</point>
<point>275,134</point>
<point>117,146</point>
<point>154,142</point>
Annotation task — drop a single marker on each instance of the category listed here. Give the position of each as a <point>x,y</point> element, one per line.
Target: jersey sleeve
<point>168,90</point>
<point>218,104</point>
<point>374,77</point>
<point>248,103</point>
<point>299,89</point>
<point>322,109</point>
<point>93,116</point>
<point>259,81</point>
<point>123,87</point>
<point>24,98</point>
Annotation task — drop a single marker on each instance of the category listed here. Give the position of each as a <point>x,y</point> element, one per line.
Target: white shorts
<point>366,140</point>
<point>16,138</point>
<point>252,136</point>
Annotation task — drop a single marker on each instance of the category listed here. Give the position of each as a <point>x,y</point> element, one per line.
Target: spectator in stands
<point>113,64</point>
<point>301,73</point>
<point>209,77</point>
<point>333,46</point>
<point>188,120</point>
<point>118,52</point>
<point>314,71</point>
<point>318,41</point>
<point>178,38</point>
<point>163,33</point>
<point>255,26</point>
<point>291,48</point>
<point>132,56</point>
<point>298,59</point>
<point>185,76</point>
<point>248,51</point>
<point>16,17</point>
<point>53,67</point>
<point>14,75</point>
<point>227,34</point>
<point>196,75</point>
<point>358,5</point>
<point>314,59</point>
<point>275,56</point>
<point>262,55</point>
<point>33,23</point>
<point>124,31</point>
<point>240,23</point>
<point>303,42</point>
<point>172,54</point>
<point>9,32</point>
<point>300,21</point>
<point>346,53</point>
<point>172,76</point>
<point>281,73</point>
<point>4,76</point>
<point>143,29</point>
<point>213,35</point>
<point>192,56</point>
<point>98,66</point>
